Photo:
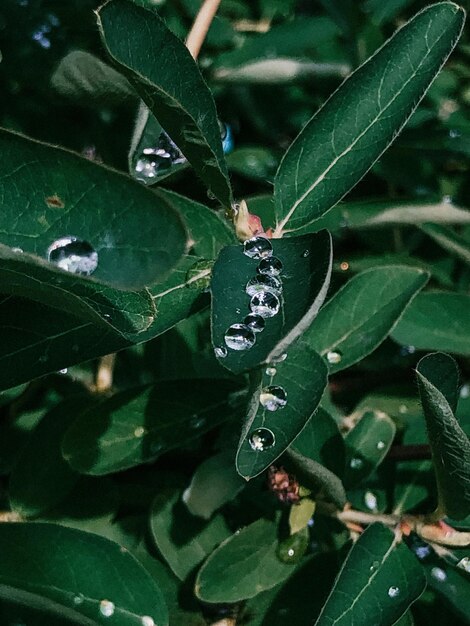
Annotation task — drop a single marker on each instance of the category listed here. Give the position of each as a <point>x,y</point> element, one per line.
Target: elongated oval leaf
<point>160,68</point>
<point>362,313</point>
<point>360,120</point>
<point>438,382</point>
<point>377,583</point>
<point>49,193</point>
<point>81,573</point>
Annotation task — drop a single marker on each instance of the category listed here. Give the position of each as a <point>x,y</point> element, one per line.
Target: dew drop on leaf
<point>79,598</point>
<point>147,621</point>
<point>263,283</point>
<point>17,250</point>
<point>464,564</point>
<point>240,337</point>
<point>370,500</point>
<point>438,574</point>
<point>139,432</point>
<point>107,608</point>
<point>220,352</point>
<point>258,248</point>
<point>265,304</point>
<point>292,549</point>
<point>380,445</point>
<point>334,357</point>
<point>157,161</point>
<point>393,592</point>
<point>272,266</point>
<point>271,371</point>
<point>273,398</point>
<point>262,439</point>
<point>73,255</point>
<point>465,391</point>
<point>255,322</point>
<point>306,253</point>
<point>356,463</point>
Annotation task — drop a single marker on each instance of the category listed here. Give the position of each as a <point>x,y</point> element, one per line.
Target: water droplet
<point>356,463</point>
<point>272,266</point>
<point>370,500</point>
<point>344,266</point>
<point>439,574</point>
<point>255,322</point>
<point>262,439</point>
<point>197,421</point>
<point>279,359</point>
<point>374,566</point>
<point>271,371</point>
<point>265,304</point>
<point>380,445</point>
<point>17,250</point>
<point>453,133</point>
<point>239,337</point>
<point>258,248</point>
<point>79,598</point>
<point>447,199</point>
<point>464,564</point>
<point>273,398</point>
<point>393,592</point>
<point>157,161</point>
<point>226,136</point>
<point>292,549</point>
<point>220,352</point>
<point>407,350</point>
<point>238,311</point>
<point>465,391</point>
<point>403,408</point>
<point>422,551</point>
<point>147,621</point>
<point>334,357</point>
<point>63,371</point>
<point>263,283</point>
<point>73,255</point>
<point>107,608</point>
<point>139,432</point>
<point>306,253</point>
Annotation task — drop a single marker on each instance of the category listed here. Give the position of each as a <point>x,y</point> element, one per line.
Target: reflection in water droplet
<point>380,445</point>
<point>255,322</point>
<point>393,592</point>
<point>306,253</point>
<point>271,371</point>
<point>356,463</point>
<point>79,598</point>
<point>439,574</point>
<point>139,432</point>
<point>107,608</point>
<point>265,304</point>
<point>262,439</point>
<point>271,266</point>
<point>273,398</point>
<point>464,564</point>
<point>73,255</point>
<point>334,357</point>
<point>239,337</point>
<point>263,283</point>
<point>370,500</point>
<point>157,161</point>
<point>257,247</point>
<point>147,621</point>
<point>220,352</point>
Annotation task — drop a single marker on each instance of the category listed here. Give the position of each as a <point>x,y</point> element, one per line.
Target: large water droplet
<point>262,439</point>
<point>370,500</point>
<point>272,266</point>
<point>464,564</point>
<point>393,592</point>
<point>265,304</point>
<point>334,357</point>
<point>356,463</point>
<point>239,337</point>
<point>258,248</point>
<point>263,283</point>
<point>107,608</point>
<point>255,322</point>
<point>157,161</point>
<point>220,352</point>
<point>273,398</point>
<point>73,255</point>
<point>147,621</point>
<point>439,574</point>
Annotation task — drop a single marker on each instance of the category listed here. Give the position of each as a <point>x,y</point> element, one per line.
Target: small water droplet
<point>356,463</point>
<point>262,439</point>
<point>258,248</point>
<point>17,250</point>
<point>238,311</point>
<point>273,398</point>
<point>464,564</point>
<point>380,445</point>
<point>344,266</point>
<point>263,283</point>
<point>393,592</point>
<point>63,371</point>
<point>447,199</point>
<point>403,408</point>
<point>265,304</point>
<point>239,337</point>
<point>422,551</point>
<point>73,255</point>
<point>370,500</point>
<point>255,322</point>
<point>306,253</point>
<point>407,350</point>
<point>220,352</point>
<point>271,371</point>
<point>334,357</point>
<point>197,421</point>
<point>107,608</point>
<point>439,574</point>
<point>374,566</point>
<point>291,552</point>
<point>272,266</point>
<point>292,549</point>
<point>465,391</point>
<point>453,133</point>
<point>139,432</point>
<point>79,598</point>
<point>147,621</point>
<point>279,359</point>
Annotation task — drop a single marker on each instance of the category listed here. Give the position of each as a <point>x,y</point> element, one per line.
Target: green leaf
<point>436,320</point>
<point>243,565</point>
<point>255,163</point>
<point>183,539</point>
<point>69,572</point>
<point>147,52</point>
<point>50,193</point>
<point>438,383</point>
<point>305,278</point>
<point>362,313</point>
<point>138,425</point>
<point>451,242</point>
<point>367,445</point>
<point>377,583</point>
<point>271,425</point>
<point>15,431</point>
<point>360,120</point>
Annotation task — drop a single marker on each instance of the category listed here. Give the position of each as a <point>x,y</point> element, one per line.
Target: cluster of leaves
<point>132,491</point>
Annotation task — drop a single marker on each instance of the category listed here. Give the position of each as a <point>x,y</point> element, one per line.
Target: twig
<point>104,375</point>
<point>249,26</point>
<point>200,26</point>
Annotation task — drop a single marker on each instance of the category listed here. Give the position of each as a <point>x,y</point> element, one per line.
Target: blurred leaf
<point>384,12</point>
<point>438,383</point>
<point>15,430</point>
<point>281,70</point>
<point>362,313</point>
<point>255,163</point>
<point>451,586</point>
<point>451,242</point>
<point>147,52</point>
<point>436,320</point>
<point>377,583</point>
<point>363,117</point>
<point>86,575</point>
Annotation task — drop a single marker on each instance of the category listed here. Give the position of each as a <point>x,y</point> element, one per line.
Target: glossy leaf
<point>436,320</point>
<point>377,583</point>
<point>147,52</point>
<point>243,565</point>
<point>50,193</point>
<point>70,572</point>
<point>438,383</point>
<point>305,278</point>
<point>349,133</point>
<point>362,313</point>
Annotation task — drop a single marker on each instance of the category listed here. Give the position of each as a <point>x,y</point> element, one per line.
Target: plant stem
<point>104,375</point>
<point>200,26</point>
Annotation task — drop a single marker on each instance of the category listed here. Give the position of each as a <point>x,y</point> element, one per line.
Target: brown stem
<point>200,26</point>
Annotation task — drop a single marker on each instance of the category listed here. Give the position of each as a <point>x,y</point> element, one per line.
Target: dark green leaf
<point>360,120</point>
<point>438,382</point>
<point>362,313</point>
<point>255,163</point>
<point>377,583</point>
<point>147,52</point>
<point>451,242</point>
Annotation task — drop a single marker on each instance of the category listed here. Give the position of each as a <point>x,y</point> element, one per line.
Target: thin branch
<point>201,25</point>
